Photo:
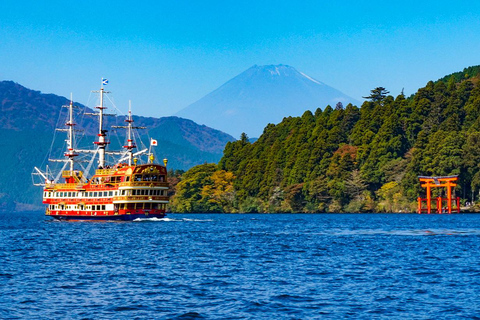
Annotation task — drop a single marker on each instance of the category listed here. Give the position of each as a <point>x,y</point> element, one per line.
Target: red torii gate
<point>438,182</point>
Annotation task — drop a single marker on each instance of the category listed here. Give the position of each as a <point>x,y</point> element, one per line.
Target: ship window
<point>110,193</point>
<point>148,206</point>
<point>154,177</point>
<point>143,192</point>
<point>95,194</point>
<point>162,178</point>
<point>146,177</point>
<point>138,177</point>
<point>103,207</point>
<point>134,192</point>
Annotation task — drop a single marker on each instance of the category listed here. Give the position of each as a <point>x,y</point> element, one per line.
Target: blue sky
<point>164,55</point>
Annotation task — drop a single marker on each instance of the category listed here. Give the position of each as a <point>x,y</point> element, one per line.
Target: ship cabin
<point>139,190</point>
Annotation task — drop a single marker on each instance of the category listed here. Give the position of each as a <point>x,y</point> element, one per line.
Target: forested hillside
<point>349,159</point>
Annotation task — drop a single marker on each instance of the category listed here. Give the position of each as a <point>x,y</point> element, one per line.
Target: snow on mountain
<point>261,95</point>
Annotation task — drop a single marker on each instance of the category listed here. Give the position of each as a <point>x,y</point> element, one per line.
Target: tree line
<point>348,159</point>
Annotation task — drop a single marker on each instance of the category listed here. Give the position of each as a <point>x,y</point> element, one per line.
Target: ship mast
<point>71,135</point>
<point>130,144</point>
<point>102,134</point>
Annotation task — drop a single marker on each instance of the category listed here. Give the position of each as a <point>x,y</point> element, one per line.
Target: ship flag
<point>104,81</point>
<point>153,142</point>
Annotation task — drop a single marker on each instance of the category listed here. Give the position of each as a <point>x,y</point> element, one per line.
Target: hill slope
<point>261,95</point>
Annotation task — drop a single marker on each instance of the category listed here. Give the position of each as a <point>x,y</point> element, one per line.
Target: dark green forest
<point>348,159</point>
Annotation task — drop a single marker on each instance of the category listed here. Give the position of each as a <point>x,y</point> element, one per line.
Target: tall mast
<point>101,133</point>
<point>102,141</point>
<point>70,152</point>
<point>130,145</point>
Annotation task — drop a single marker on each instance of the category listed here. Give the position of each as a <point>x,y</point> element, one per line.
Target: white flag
<point>153,142</point>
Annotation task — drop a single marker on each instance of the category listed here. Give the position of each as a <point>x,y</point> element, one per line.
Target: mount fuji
<point>262,95</point>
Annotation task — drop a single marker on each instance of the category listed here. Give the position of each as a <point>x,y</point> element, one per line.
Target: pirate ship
<point>124,189</point>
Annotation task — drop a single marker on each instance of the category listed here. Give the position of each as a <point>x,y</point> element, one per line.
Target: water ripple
<point>241,267</point>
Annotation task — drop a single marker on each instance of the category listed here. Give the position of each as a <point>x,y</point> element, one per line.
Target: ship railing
<point>74,173</point>
<point>77,186</point>
<point>143,198</point>
<point>104,172</point>
<point>144,184</point>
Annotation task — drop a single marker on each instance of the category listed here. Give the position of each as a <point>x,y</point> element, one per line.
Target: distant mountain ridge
<point>261,95</point>
<point>28,119</point>
<point>25,109</point>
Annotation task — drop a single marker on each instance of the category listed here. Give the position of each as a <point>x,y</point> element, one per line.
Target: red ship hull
<point>125,216</point>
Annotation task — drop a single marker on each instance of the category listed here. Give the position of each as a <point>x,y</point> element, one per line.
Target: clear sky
<point>164,55</point>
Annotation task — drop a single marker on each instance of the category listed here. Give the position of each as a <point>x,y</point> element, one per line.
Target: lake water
<point>359,266</point>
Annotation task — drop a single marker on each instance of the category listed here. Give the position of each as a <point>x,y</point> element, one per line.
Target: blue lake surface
<point>358,266</point>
